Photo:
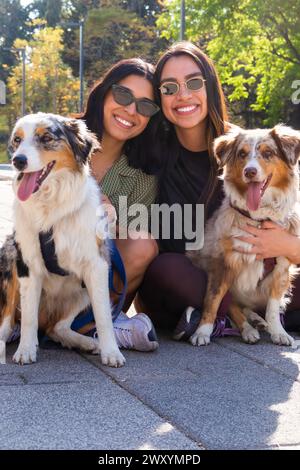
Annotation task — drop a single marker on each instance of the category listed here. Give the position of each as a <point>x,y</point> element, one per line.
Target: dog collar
<point>245,213</point>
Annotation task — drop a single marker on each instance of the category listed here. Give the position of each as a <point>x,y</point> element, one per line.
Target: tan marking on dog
<point>280,284</point>
<point>235,263</point>
<point>39,131</point>
<point>213,300</point>
<point>264,147</point>
<point>234,174</point>
<point>19,133</point>
<point>237,315</point>
<point>219,280</point>
<point>245,148</point>
<point>64,158</point>
<point>12,298</point>
<point>280,172</point>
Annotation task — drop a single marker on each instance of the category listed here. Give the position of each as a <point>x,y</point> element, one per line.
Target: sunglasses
<point>124,97</point>
<point>172,88</point>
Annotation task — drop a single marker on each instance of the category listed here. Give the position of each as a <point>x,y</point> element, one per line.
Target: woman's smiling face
<point>124,122</point>
<point>187,108</point>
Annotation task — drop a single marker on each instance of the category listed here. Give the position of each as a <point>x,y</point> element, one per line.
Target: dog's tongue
<point>254,195</point>
<point>28,184</point>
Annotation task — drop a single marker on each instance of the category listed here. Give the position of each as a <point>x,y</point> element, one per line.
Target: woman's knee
<point>174,274</point>
<point>145,251</point>
<point>139,253</point>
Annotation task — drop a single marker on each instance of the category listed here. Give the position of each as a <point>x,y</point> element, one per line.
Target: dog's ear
<point>225,146</point>
<point>288,143</point>
<point>82,142</point>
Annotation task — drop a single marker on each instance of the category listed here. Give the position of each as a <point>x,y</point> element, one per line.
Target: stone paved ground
<point>228,395</point>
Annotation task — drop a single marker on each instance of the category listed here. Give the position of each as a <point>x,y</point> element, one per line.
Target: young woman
<point>121,111</point>
<point>195,114</point>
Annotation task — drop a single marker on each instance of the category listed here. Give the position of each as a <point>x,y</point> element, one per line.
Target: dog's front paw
<point>112,358</point>
<point>201,337</point>
<point>282,338</point>
<point>249,334</point>
<point>26,354</point>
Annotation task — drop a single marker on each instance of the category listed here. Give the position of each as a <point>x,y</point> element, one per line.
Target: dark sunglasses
<point>172,88</point>
<point>124,97</point>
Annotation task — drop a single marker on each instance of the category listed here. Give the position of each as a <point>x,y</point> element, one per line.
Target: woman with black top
<point>195,113</point>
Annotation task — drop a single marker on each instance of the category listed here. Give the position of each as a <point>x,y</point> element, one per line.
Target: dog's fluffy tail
<point>9,284</point>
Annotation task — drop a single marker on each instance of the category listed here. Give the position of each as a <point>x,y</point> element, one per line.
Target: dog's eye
<point>267,154</point>
<point>17,139</point>
<point>242,154</point>
<point>46,138</point>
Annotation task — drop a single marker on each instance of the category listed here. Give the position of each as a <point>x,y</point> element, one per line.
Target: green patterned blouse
<point>123,180</point>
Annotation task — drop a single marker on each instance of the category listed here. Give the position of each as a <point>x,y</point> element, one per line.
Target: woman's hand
<point>270,241</point>
<point>105,199</point>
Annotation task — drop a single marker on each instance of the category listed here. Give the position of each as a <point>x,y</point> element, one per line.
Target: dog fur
<point>261,182</point>
<point>63,198</point>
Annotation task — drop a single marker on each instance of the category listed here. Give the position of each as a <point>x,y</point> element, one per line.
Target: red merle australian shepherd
<point>261,182</point>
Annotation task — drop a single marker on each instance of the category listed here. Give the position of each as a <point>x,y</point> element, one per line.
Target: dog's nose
<point>20,162</point>
<point>250,172</point>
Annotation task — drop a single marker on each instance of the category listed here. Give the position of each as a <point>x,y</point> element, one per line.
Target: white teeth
<point>124,122</point>
<point>186,109</point>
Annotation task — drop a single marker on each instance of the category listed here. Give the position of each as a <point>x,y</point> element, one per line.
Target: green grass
<point>3,154</point>
<point>4,131</point>
<point>3,124</point>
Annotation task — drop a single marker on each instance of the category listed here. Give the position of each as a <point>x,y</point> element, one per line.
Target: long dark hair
<point>217,112</point>
<point>138,149</point>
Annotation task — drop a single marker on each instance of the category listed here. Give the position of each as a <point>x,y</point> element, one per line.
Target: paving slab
<point>217,396</point>
<point>65,402</point>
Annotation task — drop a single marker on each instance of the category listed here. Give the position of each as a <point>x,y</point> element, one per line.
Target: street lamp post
<point>182,20</point>
<point>23,53</point>
<point>81,62</point>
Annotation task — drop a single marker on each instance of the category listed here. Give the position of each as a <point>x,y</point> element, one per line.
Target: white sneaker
<point>135,332</point>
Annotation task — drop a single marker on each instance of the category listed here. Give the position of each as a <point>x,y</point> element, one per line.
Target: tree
<point>113,31</point>
<point>50,86</point>
<point>13,19</point>
<point>256,46</point>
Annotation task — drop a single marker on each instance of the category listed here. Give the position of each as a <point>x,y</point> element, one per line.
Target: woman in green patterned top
<point>120,111</point>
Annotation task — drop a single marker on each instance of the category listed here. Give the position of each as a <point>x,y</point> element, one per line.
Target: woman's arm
<point>270,241</point>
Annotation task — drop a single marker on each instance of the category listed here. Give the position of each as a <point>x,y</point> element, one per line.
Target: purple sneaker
<point>187,324</point>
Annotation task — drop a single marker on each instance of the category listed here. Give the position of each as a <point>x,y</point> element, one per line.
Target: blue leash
<point>116,266</point>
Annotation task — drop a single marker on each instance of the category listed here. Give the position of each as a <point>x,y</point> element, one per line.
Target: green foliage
<point>255,44</point>
<point>50,86</point>
<point>3,154</point>
<point>13,19</point>
<point>113,29</point>
<point>112,32</point>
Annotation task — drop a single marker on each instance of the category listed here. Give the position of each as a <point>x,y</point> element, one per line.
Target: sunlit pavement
<point>228,395</point>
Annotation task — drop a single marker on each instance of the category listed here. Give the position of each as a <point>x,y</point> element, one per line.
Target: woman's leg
<point>171,284</point>
<point>292,315</point>
<point>136,254</point>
